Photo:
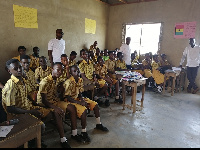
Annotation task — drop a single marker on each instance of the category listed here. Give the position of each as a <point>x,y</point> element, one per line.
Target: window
<point>144,37</point>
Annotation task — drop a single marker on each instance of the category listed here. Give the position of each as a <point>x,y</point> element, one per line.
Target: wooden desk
<point>27,129</point>
<point>169,74</point>
<point>134,86</point>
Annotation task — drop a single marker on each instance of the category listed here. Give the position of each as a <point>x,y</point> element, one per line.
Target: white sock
<point>84,130</point>
<point>64,139</point>
<point>117,97</point>
<point>98,120</point>
<point>74,132</point>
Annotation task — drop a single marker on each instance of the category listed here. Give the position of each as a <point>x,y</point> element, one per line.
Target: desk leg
<point>123,94</point>
<point>173,85</point>
<point>164,84</point>
<point>143,90</point>
<point>39,137</point>
<point>133,99</point>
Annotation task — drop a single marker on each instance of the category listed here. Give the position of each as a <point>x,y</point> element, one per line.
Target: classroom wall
<point>52,14</point>
<point>168,12</point>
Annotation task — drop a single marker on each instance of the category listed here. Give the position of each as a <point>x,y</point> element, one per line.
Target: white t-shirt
<point>125,49</point>
<point>58,48</point>
<point>193,56</point>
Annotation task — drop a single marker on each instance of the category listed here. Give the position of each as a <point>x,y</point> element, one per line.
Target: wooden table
<point>134,85</point>
<point>27,129</point>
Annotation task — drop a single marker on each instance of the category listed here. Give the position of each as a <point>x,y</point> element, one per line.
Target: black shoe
<point>99,102</point>
<point>119,101</point>
<point>65,144</point>
<point>77,138</point>
<point>85,137</point>
<point>107,103</point>
<point>101,127</point>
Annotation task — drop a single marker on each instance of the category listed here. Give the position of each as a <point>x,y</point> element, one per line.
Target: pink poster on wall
<point>185,30</point>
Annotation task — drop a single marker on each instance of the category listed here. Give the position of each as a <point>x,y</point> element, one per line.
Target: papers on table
<point>4,130</point>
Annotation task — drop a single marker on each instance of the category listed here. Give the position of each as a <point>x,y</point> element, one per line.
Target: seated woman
<point>165,63</point>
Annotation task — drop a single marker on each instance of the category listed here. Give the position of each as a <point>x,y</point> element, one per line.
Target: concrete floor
<point>165,121</point>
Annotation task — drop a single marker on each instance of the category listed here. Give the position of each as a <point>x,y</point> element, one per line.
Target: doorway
<point>145,38</point>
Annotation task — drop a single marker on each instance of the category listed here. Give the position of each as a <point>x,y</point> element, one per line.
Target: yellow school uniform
<point>158,77</point>
<point>63,77</point>
<point>71,63</point>
<point>41,74</point>
<point>87,69</point>
<point>73,89</point>
<point>147,72</point>
<point>133,62</point>
<point>17,57</point>
<point>30,80</point>
<point>34,62</point>
<point>14,94</point>
<point>102,71</point>
<point>111,64</point>
<point>121,64</point>
<point>49,87</point>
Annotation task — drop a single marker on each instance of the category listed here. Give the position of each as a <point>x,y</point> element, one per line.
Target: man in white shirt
<point>56,47</point>
<point>125,49</point>
<point>192,53</point>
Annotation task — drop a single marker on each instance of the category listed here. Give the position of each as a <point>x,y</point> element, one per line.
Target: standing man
<point>56,47</point>
<point>125,49</point>
<point>192,53</point>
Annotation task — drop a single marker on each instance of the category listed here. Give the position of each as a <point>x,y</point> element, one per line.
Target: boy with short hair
<point>15,100</point>
<point>73,93</point>
<point>42,71</point>
<point>72,58</point>
<point>34,59</point>
<point>21,51</point>
<point>29,75</point>
<point>120,63</point>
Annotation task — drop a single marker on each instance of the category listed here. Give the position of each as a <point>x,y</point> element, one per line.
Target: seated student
<point>42,71</point>
<point>73,94</point>
<point>156,67</point>
<point>115,54</point>
<point>34,59</point>
<point>16,100</point>
<point>105,55</point>
<point>147,70</point>
<point>72,58</point>
<point>101,53</point>
<point>87,71</point>
<point>21,51</point>
<point>98,51</point>
<point>65,75</point>
<point>101,70</point>
<point>93,47</point>
<point>136,65</point>
<point>165,63</point>
<point>47,96</point>
<point>111,66</point>
<point>29,75</point>
<point>120,63</point>
<point>92,57</point>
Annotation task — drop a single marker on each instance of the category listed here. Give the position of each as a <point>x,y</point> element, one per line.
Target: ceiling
<point>121,2</point>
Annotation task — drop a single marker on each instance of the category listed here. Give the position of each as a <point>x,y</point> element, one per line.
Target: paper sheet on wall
<point>4,130</point>
<point>90,26</point>
<point>185,30</point>
<point>25,17</point>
